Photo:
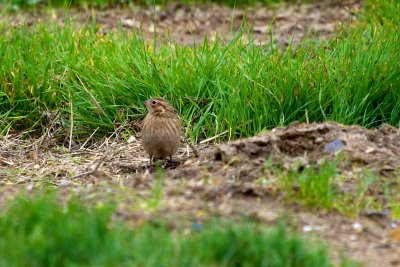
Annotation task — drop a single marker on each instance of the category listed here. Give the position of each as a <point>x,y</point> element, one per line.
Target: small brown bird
<point>161,130</point>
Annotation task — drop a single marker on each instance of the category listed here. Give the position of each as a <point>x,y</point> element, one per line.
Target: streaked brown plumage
<point>161,130</point>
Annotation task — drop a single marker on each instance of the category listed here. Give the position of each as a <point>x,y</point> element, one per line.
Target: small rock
<point>334,146</point>
<point>308,228</point>
<point>132,139</point>
<point>30,186</point>
<point>64,183</point>
<point>369,150</point>
<point>353,237</point>
<point>357,226</point>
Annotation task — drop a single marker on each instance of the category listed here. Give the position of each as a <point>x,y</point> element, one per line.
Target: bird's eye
<point>154,102</point>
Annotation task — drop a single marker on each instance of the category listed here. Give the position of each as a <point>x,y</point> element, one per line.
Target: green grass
<point>38,231</point>
<point>314,188</point>
<point>239,87</point>
<point>325,188</point>
<point>328,187</point>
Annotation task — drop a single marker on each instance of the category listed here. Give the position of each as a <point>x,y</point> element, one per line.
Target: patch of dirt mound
<point>302,145</point>
<point>239,178</point>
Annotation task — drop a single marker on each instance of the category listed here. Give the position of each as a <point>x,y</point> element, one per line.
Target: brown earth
<point>231,180</point>
<point>185,24</point>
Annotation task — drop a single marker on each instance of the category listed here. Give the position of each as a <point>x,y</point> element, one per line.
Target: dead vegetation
<point>186,24</point>
<point>239,178</point>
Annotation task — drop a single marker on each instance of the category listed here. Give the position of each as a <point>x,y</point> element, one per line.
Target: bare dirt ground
<point>186,24</point>
<point>228,180</point>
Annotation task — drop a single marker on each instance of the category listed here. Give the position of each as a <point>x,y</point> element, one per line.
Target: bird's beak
<point>145,102</point>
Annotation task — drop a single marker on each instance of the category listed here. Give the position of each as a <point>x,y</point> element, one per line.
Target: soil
<point>224,181</point>
<point>186,24</point>
<point>231,180</point>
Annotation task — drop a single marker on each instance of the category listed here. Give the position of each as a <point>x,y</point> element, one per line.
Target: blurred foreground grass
<point>39,231</point>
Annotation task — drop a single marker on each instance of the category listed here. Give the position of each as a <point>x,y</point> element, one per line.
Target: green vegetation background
<point>353,78</point>
<point>241,87</point>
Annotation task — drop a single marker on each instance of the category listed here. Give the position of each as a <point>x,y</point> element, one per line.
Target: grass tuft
<point>239,87</point>
<point>325,187</point>
<point>41,232</point>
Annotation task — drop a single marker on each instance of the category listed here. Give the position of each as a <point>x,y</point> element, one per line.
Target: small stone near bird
<point>131,139</point>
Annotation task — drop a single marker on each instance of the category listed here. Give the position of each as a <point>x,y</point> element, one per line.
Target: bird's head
<point>159,106</point>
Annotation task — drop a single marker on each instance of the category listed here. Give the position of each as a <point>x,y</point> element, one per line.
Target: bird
<point>161,130</point>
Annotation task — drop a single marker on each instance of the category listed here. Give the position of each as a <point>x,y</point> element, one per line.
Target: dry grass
<point>233,180</point>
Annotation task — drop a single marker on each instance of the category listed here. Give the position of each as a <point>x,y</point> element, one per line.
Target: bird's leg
<point>173,163</point>
<point>164,163</point>
<point>170,161</point>
<point>151,159</point>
